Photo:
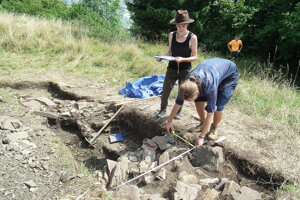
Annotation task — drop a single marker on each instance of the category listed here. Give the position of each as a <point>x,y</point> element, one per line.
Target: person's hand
<point>199,141</point>
<point>158,59</point>
<point>178,59</point>
<point>169,126</point>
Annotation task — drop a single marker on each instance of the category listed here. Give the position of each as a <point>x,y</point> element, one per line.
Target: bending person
<point>182,46</point>
<point>214,81</point>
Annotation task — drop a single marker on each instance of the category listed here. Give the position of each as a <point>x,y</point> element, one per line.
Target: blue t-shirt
<point>211,72</point>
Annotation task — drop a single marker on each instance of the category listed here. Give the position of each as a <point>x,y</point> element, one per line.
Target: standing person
<point>235,46</point>
<point>182,46</point>
<point>214,81</point>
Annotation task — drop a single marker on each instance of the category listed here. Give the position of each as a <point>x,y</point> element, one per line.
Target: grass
<point>38,49</point>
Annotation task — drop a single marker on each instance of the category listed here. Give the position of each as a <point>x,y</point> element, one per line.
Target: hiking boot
<point>198,128</point>
<point>160,113</point>
<point>212,134</point>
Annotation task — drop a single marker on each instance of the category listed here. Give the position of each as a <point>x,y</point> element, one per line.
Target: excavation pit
<point>77,119</point>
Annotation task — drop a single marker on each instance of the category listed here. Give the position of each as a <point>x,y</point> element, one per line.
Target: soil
<point>80,112</point>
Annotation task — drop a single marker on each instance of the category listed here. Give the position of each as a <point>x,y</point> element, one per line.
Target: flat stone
<point>11,124</point>
<point>221,184</point>
<point>212,194</point>
<point>246,193</point>
<point>32,105</point>
<point>111,164</point>
<point>230,188</point>
<point>208,158</point>
<point>164,142</point>
<point>185,165</point>
<point>129,192</point>
<point>13,137</point>
<point>46,101</point>
<point>120,173</point>
<point>185,191</point>
<point>152,197</point>
<point>46,114</point>
<point>30,184</point>
<point>209,180</point>
<point>162,174</point>
<point>163,158</point>
<point>189,179</point>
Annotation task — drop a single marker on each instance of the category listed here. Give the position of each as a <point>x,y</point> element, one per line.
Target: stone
<point>230,187</point>
<point>149,153</point>
<point>177,150</point>
<point>81,105</point>
<point>46,101</point>
<point>163,142</point>
<point>185,165</point>
<point>163,158</point>
<point>221,184</point>
<point>13,137</point>
<point>162,174</point>
<point>11,124</point>
<point>152,197</point>
<point>148,179</point>
<point>67,176</point>
<point>30,184</point>
<point>149,144</point>
<point>208,158</point>
<point>32,105</point>
<point>211,194</point>
<point>188,178</point>
<point>209,180</point>
<point>246,193</point>
<point>185,191</point>
<point>111,164</point>
<point>143,166</point>
<point>129,192</point>
<point>119,174</point>
<point>46,114</point>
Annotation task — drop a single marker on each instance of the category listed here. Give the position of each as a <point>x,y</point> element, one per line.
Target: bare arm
<point>229,47</point>
<point>169,125</point>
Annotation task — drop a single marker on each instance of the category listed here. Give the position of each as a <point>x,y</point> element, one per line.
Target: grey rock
<point>46,114</point>
<point>119,174</point>
<point>111,164</point>
<point>163,158</point>
<point>230,188</point>
<point>246,193</point>
<point>162,174</point>
<point>11,124</point>
<point>13,137</point>
<point>209,180</point>
<point>152,197</point>
<point>211,194</point>
<point>129,192</point>
<point>163,142</point>
<point>208,158</point>
<point>186,191</point>
<point>32,105</point>
<point>188,178</point>
<point>221,184</point>
<point>46,101</point>
<point>185,165</point>
<point>30,184</point>
<point>67,176</point>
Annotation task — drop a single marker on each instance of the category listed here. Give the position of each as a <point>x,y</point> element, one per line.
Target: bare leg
<point>217,118</point>
<point>200,110</point>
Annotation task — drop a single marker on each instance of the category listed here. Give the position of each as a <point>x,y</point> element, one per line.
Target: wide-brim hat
<point>182,17</point>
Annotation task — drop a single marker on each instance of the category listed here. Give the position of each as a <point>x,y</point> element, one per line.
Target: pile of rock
<point>186,177</point>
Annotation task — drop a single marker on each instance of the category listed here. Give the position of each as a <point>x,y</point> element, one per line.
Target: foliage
<point>269,28</point>
<point>100,16</point>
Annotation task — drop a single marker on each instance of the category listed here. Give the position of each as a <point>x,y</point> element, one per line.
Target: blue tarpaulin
<point>144,87</point>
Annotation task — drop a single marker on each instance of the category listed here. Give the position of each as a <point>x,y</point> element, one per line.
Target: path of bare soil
<point>58,115</point>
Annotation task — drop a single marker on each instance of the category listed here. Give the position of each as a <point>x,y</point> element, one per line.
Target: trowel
<point>117,137</point>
